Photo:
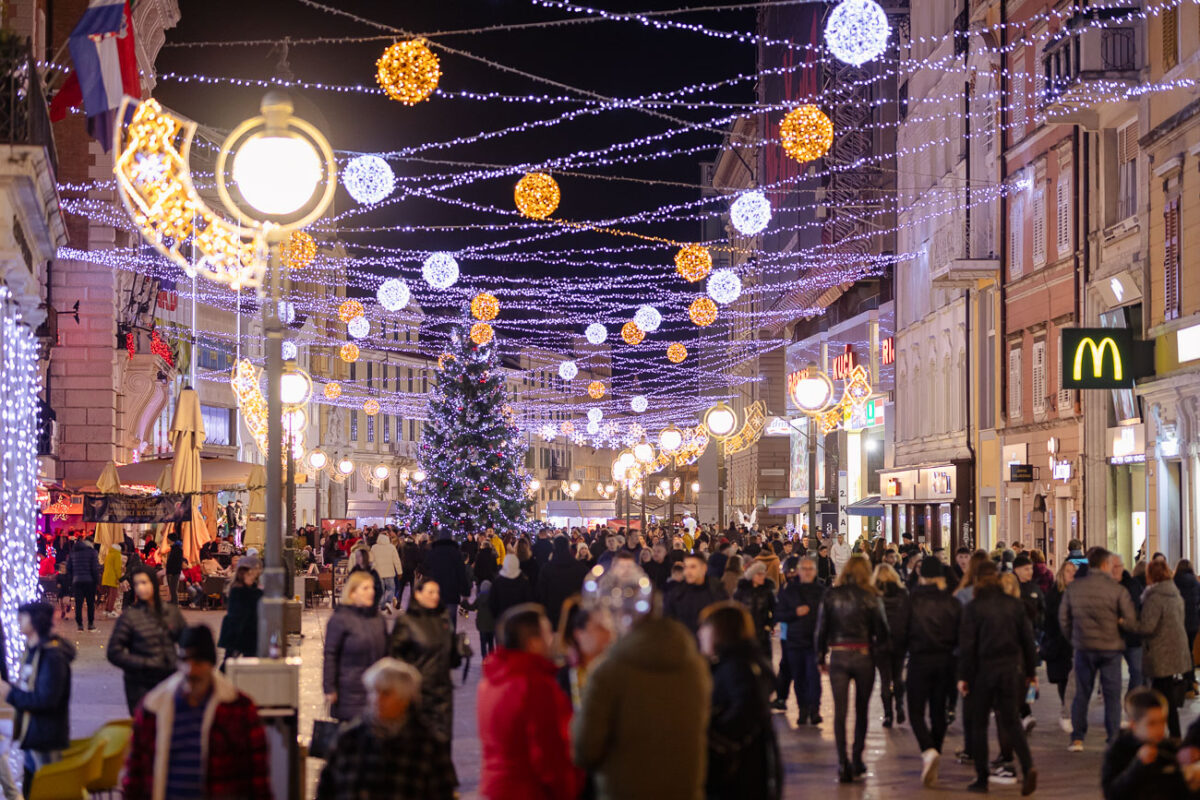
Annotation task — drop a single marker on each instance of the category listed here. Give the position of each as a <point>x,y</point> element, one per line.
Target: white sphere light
<point>358,327</point>
<point>567,370</point>
<point>647,318</point>
<point>750,213</point>
<point>393,294</point>
<point>812,393</point>
<point>639,403</point>
<point>440,270</point>
<point>593,428</point>
<point>595,415</point>
<point>857,31</point>
<point>368,179</point>
<point>287,312</point>
<point>289,350</point>
<point>277,175</point>
<point>596,333</point>
<point>724,286</point>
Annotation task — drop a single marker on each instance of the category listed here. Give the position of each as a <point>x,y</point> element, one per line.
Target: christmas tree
<point>471,451</point>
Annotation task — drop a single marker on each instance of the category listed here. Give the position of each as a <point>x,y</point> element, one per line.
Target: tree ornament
<point>806,133</point>
<point>567,370</point>
<point>750,213</point>
<point>596,333</point>
<point>349,353</point>
<point>639,404</point>
<point>596,390</point>
<point>647,318</point>
<point>393,294</point>
<point>289,350</point>
<point>692,262</point>
<point>299,250</point>
<point>482,333</point>
<point>359,327</point>
<point>595,415</point>
<point>631,333</point>
<point>724,286</point>
<point>287,312</point>
<point>444,359</point>
<point>702,312</point>
<point>371,407</point>
<point>350,309</point>
<point>440,270</point>
<point>676,353</point>
<point>408,71</point>
<point>485,306</point>
<point>368,179</point>
<point>857,31</point>
<point>333,391</point>
<point>537,195</point>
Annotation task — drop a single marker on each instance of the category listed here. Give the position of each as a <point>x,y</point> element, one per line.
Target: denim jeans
<point>802,661</point>
<point>389,590</point>
<point>1107,664</point>
<point>1133,658</point>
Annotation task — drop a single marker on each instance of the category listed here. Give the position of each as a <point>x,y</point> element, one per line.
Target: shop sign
<point>1100,358</point>
<point>1062,471</point>
<point>777,426</point>
<point>887,351</point>
<point>1020,473</point>
<point>840,367</point>
<point>794,378</point>
<point>941,482</point>
<point>867,415</point>
<point>1126,444</point>
<point>140,508</point>
<point>892,488</point>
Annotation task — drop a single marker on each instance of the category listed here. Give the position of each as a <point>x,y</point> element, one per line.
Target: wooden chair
<point>324,585</point>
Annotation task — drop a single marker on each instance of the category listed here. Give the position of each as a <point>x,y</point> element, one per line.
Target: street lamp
<point>418,475</point>
<point>670,439</point>
<point>345,466</point>
<point>812,394</point>
<point>721,421</point>
<point>643,451</point>
<point>318,460</point>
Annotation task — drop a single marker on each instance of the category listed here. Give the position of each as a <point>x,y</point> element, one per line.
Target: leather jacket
<point>996,633</point>
<point>850,615</point>
<point>933,623</point>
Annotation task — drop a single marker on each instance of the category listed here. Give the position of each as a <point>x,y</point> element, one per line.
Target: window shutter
<point>1014,384</point>
<point>1039,228</point>
<point>1062,242</point>
<point>1038,368</point>
<point>1017,104</point>
<point>1171,259</point>
<point>1170,37</point>
<point>1066,399</point>
<point>1016,237</point>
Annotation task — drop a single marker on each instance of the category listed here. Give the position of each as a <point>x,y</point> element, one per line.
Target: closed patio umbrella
<point>108,534</point>
<point>255,526</point>
<point>187,438</point>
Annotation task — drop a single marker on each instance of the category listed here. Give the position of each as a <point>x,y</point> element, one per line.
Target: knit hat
<point>1022,561</point>
<point>932,568</point>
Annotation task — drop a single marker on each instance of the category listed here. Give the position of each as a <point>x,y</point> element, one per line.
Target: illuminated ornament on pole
<point>300,250</point>
<point>596,390</point>
<point>567,370</point>
<point>440,270</point>
<point>647,318</point>
<point>595,415</point>
<point>482,333</point>
<point>537,195</point>
<point>631,333</point>
<point>639,403</point>
<point>358,327</point>
<point>702,312</point>
<point>857,31</point>
<point>750,213</point>
<point>333,391</point>
<point>371,407</point>
<point>806,133</point>
<point>408,71</point>
<point>692,263</point>
<point>485,306</point>
<point>350,309</point>
<point>368,179</point>
<point>596,333</point>
<point>393,294</point>
<point>289,350</point>
<point>720,420</point>
<point>724,286</point>
<point>287,312</point>
<point>349,353</point>
<point>676,353</point>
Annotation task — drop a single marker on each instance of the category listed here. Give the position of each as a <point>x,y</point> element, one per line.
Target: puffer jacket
<point>142,646</point>
<point>423,637</point>
<point>355,638</point>
<point>1164,638</point>
<point>83,565</point>
<point>850,615</point>
<point>1090,610</point>
<point>933,622</point>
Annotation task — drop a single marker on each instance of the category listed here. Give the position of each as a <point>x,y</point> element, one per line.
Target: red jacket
<point>524,718</point>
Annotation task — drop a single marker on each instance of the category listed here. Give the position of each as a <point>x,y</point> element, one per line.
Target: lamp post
<point>812,394</point>
<point>696,498</point>
<point>720,420</point>
<point>670,439</point>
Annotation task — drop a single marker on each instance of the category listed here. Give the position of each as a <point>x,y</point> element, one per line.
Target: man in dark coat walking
<point>444,564</point>
<point>83,573</point>
<point>797,608</point>
<point>561,577</point>
<point>686,600</point>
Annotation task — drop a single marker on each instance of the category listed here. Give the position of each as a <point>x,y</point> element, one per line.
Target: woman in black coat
<point>484,567</point>
<point>1189,588</point>
<point>1056,648</point>
<point>559,579</point>
<point>142,644</point>
<point>239,628</point>
<point>510,587</point>
<point>424,638</point>
<point>360,561</point>
<point>355,638</point>
<point>743,754</point>
<point>757,594</point>
<point>889,658</point>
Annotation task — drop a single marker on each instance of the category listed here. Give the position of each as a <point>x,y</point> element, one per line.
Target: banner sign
<point>141,509</point>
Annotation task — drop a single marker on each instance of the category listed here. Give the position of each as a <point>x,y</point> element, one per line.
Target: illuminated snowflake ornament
<point>857,31</point>
<point>548,432</point>
<point>724,286</point>
<point>289,350</point>
<point>647,318</point>
<point>287,312</point>
<point>639,403</point>
<point>440,270</point>
<point>596,333</point>
<point>567,370</point>
<point>393,294</point>
<point>358,327</point>
<point>368,179</point>
<point>595,415</point>
<point>750,213</point>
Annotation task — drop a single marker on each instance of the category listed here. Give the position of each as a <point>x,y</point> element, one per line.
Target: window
<point>1014,383</point>
<point>1066,398</point>
<point>353,371</point>
<point>1062,225</point>
<point>1017,104</point>
<point>1038,368</point>
<point>220,425</point>
<point>370,428</point>
<point>399,429</point>
<point>1039,228</point>
<point>1016,237</point>
<point>213,358</point>
<point>370,377</point>
<point>1170,38</point>
<point>385,428</point>
<point>1127,152</point>
<point>1171,259</point>
<point>986,370</point>
<point>354,426</point>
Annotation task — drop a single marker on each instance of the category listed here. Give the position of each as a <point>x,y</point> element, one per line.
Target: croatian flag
<point>105,67</point>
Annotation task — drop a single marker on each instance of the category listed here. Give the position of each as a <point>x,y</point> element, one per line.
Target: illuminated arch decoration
<point>751,432</point>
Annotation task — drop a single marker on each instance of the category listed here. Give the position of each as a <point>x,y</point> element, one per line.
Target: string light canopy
<point>631,333</point>
<point>359,328</point>
<point>702,312</point>
<point>567,370</point>
<point>596,333</point>
<point>349,353</point>
<point>693,262</point>
<point>537,195</point>
<point>647,318</point>
<point>350,310</point>
<point>408,71</point>
<point>369,179</point>
<point>857,31</point>
<point>299,250</point>
<point>482,333</point>
<point>393,294</point>
<point>485,306</point>
<point>332,391</point>
<point>806,133</point>
<point>724,286</point>
<point>440,270</point>
<point>750,213</point>
<point>639,403</point>
<point>596,390</point>
<point>676,353</point>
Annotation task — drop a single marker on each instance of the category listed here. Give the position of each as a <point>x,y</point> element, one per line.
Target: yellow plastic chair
<point>114,744</point>
<point>68,779</point>
<point>78,745</point>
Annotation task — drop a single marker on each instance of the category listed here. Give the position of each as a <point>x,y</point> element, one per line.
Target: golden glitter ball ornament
<point>676,353</point>
<point>349,353</point>
<point>333,391</point>
<point>806,133</point>
<point>693,262</point>
<point>408,71</point>
<point>631,333</point>
<point>703,311</point>
<point>350,310</point>
<point>371,407</point>
<point>596,390</point>
<point>444,359</point>
<point>567,428</point>
<point>537,195</point>
<point>300,250</point>
<point>482,333</point>
<point>485,306</point>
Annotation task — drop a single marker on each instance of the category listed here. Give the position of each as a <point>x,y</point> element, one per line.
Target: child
<point>1141,764</point>
<point>485,623</point>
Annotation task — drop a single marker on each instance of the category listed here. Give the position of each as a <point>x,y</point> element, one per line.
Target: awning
<point>589,509</point>
<point>375,509</point>
<point>867,507</point>
<point>216,473</point>
<point>789,505</point>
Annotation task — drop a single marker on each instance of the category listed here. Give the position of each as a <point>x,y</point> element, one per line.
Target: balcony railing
<point>24,117</point>
<point>1095,47</point>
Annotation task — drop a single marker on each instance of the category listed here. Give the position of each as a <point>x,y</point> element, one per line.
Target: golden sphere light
<point>299,250</point>
<point>596,390</point>
<point>333,391</point>
<point>408,71</point>
<point>537,195</point>
<point>350,310</point>
<point>371,407</point>
<point>482,333</point>
<point>631,333</point>
<point>702,312</point>
<point>676,353</point>
<point>485,306</point>
<point>349,353</point>
<point>693,262</point>
<point>806,133</point>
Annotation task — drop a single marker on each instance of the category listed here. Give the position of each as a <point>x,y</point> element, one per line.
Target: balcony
<point>1092,61</point>
<point>963,273</point>
<point>24,117</point>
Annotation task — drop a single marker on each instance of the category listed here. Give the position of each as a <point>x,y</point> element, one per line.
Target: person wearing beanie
<point>934,617</point>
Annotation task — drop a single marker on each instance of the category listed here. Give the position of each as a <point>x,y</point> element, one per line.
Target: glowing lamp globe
<point>393,294</point>
<point>418,475</point>
<point>813,392</point>
<point>595,415</point>
<point>639,403</point>
<point>596,333</point>
<point>289,350</point>
<point>693,262</point>
<point>332,391</point>
<point>647,318</point>
<point>295,387</point>
<point>720,420</point>
<point>534,484</point>
<point>593,428</point>
<point>724,286</point>
<point>440,270</point>
<point>750,213</point>
<point>345,466</point>
<point>806,133</point>
<point>368,179</point>
<point>485,306</point>
<point>359,327</point>
<point>482,333</point>
<point>317,459</point>
<point>295,420</point>
<point>537,195</point>
<point>567,370</point>
<point>408,71</point>
<point>349,353</point>
<point>670,439</point>
<point>371,407</point>
<point>350,309</point>
<point>643,451</point>
<point>627,458</point>
<point>631,333</point>
<point>857,31</point>
<point>596,390</point>
<point>702,312</point>
<point>277,175</point>
<point>381,472</point>
<point>676,353</point>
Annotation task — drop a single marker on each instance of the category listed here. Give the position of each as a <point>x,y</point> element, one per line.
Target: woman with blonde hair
<point>889,658</point>
<point>851,625</point>
<point>1056,648</point>
<point>966,587</point>
<point>355,638</point>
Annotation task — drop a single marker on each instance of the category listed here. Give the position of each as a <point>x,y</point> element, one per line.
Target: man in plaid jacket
<point>195,736</point>
<point>389,754</point>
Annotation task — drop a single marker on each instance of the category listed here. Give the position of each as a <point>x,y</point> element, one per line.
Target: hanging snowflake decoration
<point>750,213</point>
<point>287,312</point>
<point>647,318</point>
<point>368,179</point>
<point>639,404</point>
<point>567,370</point>
<point>578,439</point>
<point>358,327</point>
<point>595,415</point>
<point>857,31</point>
<point>393,294</point>
<point>637,431</point>
<point>289,350</point>
<point>596,333</point>
<point>440,270</point>
<point>724,286</point>
<point>548,432</point>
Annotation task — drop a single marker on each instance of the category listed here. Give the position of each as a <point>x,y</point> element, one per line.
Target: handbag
<point>324,737</point>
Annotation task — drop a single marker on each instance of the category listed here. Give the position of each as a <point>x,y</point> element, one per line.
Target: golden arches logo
<point>1097,353</point>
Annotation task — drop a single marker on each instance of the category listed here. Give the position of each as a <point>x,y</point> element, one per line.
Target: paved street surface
<point>808,754</point>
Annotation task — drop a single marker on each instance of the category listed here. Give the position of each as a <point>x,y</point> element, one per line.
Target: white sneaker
<point>1028,723</point>
<point>1065,724</point>
<point>929,768</point>
<point>1075,747</point>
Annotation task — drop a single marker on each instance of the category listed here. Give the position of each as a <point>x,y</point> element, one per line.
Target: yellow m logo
<point>1097,352</point>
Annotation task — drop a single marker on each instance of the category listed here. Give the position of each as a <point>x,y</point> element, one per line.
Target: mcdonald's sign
<point>1101,358</point>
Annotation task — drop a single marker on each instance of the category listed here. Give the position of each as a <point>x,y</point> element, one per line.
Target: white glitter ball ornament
<point>596,333</point>
<point>595,415</point>
<point>393,294</point>
<point>750,213</point>
<point>639,403</point>
<point>368,179</point>
<point>358,327</point>
<point>567,370</point>
<point>440,270</point>
<point>857,31</point>
<point>647,318</point>
<point>724,286</point>
<point>593,428</point>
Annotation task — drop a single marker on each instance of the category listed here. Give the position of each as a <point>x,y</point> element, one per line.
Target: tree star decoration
<point>750,213</point>
<point>393,294</point>
<point>567,370</point>
<point>289,350</point>
<point>857,31</point>
<point>631,333</point>
<point>358,327</point>
<point>724,286</point>
<point>368,179</point>
<point>537,195</point>
<point>692,262</point>
<point>596,333</point>
<point>408,71</point>
<point>440,270</point>
<point>639,403</point>
<point>702,312</point>
<point>676,353</point>
<point>647,318</point>
<point>806,133</point>
<point>595,415</point>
